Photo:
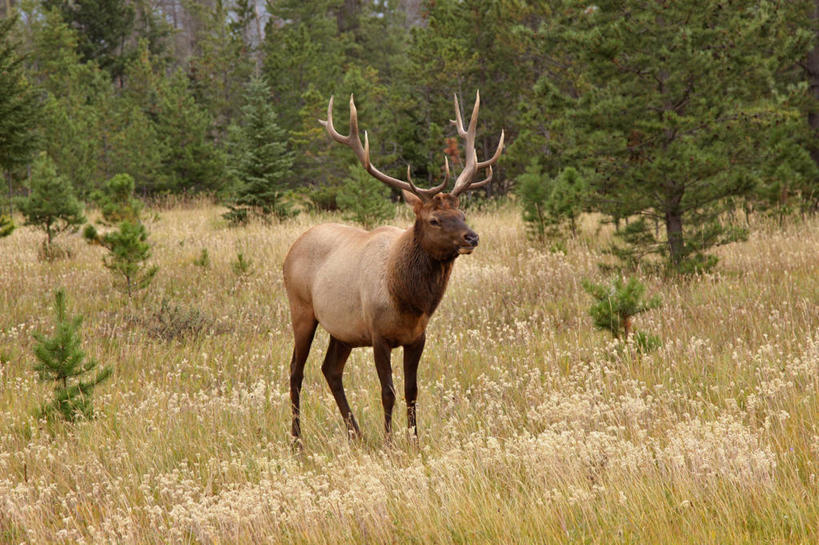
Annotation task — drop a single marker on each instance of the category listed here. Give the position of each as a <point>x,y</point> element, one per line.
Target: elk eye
<point>435,222</point>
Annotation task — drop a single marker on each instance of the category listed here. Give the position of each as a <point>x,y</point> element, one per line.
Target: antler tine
<point>483,182</point>
<point>472,165</point>
<point>363,153</point>
<point>494,159</point>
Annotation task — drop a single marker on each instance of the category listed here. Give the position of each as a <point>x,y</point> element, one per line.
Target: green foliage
<point>51,204</point>
<point>128,248</point>
<point>6,225</point>
<point>551,205</point>
<point>104,27</point>
<point>60,360</point>
<point>534,193</point>
<point>203,260</point>
<point>616,304</point>
<point>116,200</point>
<point>259,158</point>
<point>19,107</point>
<point>669,105</point>
<point>364,199</point>
<point>191,161</point>
<point>242,264</point>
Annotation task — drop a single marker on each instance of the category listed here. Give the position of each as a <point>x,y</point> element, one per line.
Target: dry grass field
<point>534,427</point>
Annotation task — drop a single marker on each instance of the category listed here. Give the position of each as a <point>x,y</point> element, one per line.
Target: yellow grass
<point>534,427</point>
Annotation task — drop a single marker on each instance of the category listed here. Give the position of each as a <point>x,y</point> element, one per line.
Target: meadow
<point>534,427</point>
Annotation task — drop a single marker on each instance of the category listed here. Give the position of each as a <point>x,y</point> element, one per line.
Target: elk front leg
<point>382,352</point>
<point>412,355</point>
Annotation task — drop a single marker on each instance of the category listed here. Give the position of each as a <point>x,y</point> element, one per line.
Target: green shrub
<point>616,305</point>
<point>51,204</point>
<point>60,360</point>
<point>365,200</point>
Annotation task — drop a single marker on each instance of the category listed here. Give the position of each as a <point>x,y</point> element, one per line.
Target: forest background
<point>673,112</point>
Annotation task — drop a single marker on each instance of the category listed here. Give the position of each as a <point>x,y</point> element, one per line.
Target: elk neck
<point>417,280</point>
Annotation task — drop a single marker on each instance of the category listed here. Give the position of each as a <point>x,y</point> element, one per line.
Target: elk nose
<point>471,238</point>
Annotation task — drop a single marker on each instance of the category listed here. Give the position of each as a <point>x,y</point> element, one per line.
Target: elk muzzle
<point>470,240</point>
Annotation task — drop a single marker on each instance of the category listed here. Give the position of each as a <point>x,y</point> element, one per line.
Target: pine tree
<point>19,107</point>
<point>616,305</point>
<point>116,200</point>
<point>77,97</point>
<point>51,204</point>
<point>260,161</point>
<point>669,104</point>
<point>192,162</point>
<point>104,28</point>
<point>364,199</point>
<point>550,205</point>
<point>128,251</point>
<point>6,226</point>
<point>533,192</point>
<point>61,360</point>
<point>128,248</point>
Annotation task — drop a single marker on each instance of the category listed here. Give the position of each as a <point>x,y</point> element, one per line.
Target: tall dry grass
<point>534,427</point>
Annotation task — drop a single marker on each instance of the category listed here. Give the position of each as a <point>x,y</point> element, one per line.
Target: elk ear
<point>413,200</point>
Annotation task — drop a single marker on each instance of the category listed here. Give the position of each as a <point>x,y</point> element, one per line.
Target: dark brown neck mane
<point>417,280</point>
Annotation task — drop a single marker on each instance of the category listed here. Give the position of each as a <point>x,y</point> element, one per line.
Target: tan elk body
<point>378,288</point>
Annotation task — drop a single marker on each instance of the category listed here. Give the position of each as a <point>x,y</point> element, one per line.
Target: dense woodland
<point>681,116</point>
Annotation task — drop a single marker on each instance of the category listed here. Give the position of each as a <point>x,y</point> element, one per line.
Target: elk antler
<point>472,165</point>
<point>363,154</point>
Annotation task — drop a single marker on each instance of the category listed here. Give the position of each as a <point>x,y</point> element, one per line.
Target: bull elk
<point>379,288</point>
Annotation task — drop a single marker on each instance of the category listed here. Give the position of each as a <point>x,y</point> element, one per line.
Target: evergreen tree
<point>224,57</point>
<point>51,204</point>
<point>116,200</point>
<point>128,248</point>
<point>551,204</point>
<point>364,199</point>
<point>104,28</point>
<point>260,161</point>
<point>6,226</point>
<point>19,108</point>
<point>616,305</point>
<point>128,252</point>
<point>77,96</point>
<point>669,104</point>
<point>192,162</point>
<point>61,360</point>
<point>534,194</point>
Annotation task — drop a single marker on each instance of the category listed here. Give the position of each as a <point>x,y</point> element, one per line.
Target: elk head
<point>439,224</point>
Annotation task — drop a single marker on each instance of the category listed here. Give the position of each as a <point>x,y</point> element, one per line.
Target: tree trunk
<point>812,66</point>
<point>673,228</point>
<point>11,193</point>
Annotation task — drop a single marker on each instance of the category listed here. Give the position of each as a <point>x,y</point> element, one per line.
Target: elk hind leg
<point>333,369</point>
<point>304,328</point>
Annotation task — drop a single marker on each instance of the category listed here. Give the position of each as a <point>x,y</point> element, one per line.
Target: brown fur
<point>376,288</point>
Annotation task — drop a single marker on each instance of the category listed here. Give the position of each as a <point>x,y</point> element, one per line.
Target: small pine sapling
<point>128,248</point>
<point>551,206</point>
<point>364,199</point>
<point>616,305</point>
<point>203,260</point>
<point>61,360</point>
<point>51,204</point>
<point>6,226</point>
<point>116,200</point>
<point>533,193</point>
<point>242,264</point>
